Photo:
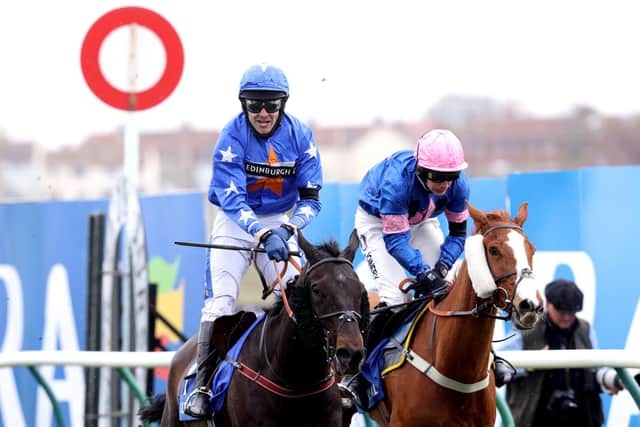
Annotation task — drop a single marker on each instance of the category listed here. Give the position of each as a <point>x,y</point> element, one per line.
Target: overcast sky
<point>348,61</point>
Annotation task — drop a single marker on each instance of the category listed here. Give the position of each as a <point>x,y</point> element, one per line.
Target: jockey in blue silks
<point>400,200</point>
<point>265,164</point>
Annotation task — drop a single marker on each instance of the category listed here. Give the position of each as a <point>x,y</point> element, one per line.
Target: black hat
<point>564,295</point>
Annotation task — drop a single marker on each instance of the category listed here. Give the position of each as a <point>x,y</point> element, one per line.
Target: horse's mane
<point>497,216</point>
<point>330,248</point>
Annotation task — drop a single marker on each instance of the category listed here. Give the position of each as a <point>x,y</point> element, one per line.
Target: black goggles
<point>256,105</point>
<point>424,174</point>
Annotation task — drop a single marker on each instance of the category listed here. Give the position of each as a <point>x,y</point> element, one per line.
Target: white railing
<point>121,359</point>
<point>532,359</point>
<point>551,359</point>
<point>537,359</point>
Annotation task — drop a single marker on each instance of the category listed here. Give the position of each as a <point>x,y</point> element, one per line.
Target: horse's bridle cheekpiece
<point>345,315</point>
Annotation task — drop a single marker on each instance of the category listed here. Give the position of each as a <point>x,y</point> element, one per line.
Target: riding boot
<point>197,404</point>
<point>503,370</point>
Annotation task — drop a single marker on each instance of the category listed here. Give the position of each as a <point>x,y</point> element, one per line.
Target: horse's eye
<point>315,290</point>
<point>493,251</point>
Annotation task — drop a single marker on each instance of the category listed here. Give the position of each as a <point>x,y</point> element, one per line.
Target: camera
<point>562,403</point>
<point>608,379</point>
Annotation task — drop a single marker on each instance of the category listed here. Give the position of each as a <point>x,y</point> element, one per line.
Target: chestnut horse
<point>446,379</point>
<point>316,329</point>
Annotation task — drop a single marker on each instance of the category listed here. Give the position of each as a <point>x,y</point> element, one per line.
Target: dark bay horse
<point>308,337</point>
<point>446,379</point>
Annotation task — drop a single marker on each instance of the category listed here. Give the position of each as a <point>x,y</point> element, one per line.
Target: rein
<point>266,290</point>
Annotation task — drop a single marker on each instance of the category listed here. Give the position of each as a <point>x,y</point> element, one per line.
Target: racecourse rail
<point>530,359</point>
<point>533,359</point>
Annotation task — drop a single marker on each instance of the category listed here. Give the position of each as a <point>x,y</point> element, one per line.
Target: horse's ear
<point>479,218</point>
<point>350,251</point>
<point>523,212</point>
<point>310,251</point>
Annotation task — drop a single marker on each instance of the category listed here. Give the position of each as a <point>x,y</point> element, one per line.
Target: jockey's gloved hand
<point>430,283</point>
<point>285,231</point>
<point>441,269</point>
<point>275,245</point>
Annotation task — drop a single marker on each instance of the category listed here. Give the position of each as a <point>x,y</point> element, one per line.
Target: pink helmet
<point>440,150</point>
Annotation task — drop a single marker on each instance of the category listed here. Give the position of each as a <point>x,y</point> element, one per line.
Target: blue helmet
<point>264,79</point>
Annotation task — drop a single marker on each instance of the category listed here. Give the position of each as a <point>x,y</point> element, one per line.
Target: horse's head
<point>499,259</point>
<point>329,299</point>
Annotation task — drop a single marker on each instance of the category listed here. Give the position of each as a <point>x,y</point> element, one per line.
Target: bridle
<point>500,294</point>
<point>346,316</point>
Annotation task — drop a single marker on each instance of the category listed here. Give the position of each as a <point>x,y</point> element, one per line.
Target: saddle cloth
<point>221,379</point>
<point>387,356</point>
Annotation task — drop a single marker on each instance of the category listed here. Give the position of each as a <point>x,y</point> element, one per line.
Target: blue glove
<point>275,245</point>
<point>284,232</point>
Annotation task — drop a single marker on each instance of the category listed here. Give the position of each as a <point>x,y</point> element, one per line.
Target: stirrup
<point>187,404</point>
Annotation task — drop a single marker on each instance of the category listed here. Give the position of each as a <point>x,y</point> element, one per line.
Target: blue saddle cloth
<point>385,357</point>
<point>221,379</point>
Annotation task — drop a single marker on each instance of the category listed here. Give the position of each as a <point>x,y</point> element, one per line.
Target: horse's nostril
<point>357,357</point>
<point>524,306</point>
<point>349,357</point>
<point>343,353</point>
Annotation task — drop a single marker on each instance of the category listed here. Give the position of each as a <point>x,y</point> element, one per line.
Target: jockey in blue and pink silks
<point>397,223</point>
<point>265,164</point>
<point>400,200</point>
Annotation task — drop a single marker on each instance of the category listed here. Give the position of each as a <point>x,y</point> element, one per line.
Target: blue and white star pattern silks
<point>391,192</point>
<point>254,176</point>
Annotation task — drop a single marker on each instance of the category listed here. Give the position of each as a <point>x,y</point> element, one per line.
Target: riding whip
<point>228,247</point>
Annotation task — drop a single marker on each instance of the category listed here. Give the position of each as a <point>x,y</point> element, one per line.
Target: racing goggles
<point>425,174</point>
<point>256,105</point>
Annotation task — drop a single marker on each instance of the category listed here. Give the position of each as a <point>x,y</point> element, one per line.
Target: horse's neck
<point>289,356</point>
<point>466,337</point>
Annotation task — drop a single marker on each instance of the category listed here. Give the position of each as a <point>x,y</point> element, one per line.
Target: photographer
<point>559,397</point>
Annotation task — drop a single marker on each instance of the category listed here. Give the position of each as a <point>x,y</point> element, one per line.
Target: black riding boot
<point>502,370</point>
<point>197,404</point>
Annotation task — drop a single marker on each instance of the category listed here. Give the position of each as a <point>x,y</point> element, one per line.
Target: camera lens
<point>609,379</point>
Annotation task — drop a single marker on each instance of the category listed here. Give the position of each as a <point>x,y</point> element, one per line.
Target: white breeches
<point>386,272</point>
<point>225,268</point>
